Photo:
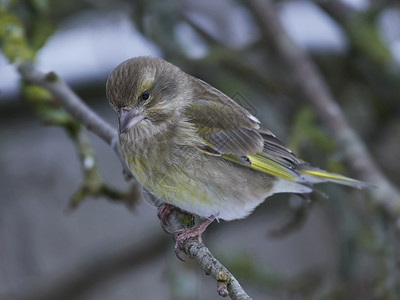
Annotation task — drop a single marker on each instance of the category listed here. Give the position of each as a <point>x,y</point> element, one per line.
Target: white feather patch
<point>253,118</point>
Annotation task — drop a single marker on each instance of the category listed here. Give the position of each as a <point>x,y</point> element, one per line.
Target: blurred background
<point>342,247</point>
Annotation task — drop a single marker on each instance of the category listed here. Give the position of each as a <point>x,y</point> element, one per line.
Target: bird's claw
<point>181,235</point>
<point>163,212</point>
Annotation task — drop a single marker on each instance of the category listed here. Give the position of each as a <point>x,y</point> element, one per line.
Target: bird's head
<point>146,88</point>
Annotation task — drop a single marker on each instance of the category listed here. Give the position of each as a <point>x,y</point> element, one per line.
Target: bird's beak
<point>129,118</point>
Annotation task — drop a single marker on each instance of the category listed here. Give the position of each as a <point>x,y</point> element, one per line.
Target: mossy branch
<point>50,112</point>
<point>93,185</point>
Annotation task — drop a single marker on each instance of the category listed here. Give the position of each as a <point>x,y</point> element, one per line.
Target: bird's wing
<point>276,159</point>
<point>228,130</point>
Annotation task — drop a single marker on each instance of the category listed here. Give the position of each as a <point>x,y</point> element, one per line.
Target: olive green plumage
<point>192,146</point>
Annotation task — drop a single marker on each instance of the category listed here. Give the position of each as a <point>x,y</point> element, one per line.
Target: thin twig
<point>315,90</point>
<point>93,185</point>
<point>196,250</point>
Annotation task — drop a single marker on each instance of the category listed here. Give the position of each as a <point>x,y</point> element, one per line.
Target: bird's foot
<point>182,235</point>
<point>163,212</point>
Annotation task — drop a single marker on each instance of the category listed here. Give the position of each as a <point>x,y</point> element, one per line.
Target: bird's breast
<point>173,170</point>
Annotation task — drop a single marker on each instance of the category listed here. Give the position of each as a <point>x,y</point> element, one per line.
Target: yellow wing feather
<point>266,165</point>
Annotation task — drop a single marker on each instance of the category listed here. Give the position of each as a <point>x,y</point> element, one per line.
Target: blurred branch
<point>360,29</point>
<point>315,90</point>
<point>93,185</point>
<point>369,56</point>
<point>50,112</point>
<point>300,211</point>
<point>73,105</point>
<point>93,271</point>
<point>82,113</point>
<point>233,61</point>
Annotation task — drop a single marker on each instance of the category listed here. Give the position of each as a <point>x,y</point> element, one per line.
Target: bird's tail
<point>316,175</point>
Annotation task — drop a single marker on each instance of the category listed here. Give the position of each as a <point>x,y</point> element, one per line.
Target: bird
<point>194,148</point>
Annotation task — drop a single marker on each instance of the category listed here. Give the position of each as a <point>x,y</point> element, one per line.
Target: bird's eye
<point>145,96</point>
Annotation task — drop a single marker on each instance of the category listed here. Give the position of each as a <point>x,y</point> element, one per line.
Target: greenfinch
<point>194,148</point>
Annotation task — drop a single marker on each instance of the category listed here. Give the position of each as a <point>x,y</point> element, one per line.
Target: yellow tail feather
<point>316,175</point>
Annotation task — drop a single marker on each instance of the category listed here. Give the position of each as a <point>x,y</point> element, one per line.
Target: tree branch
<point>73,105</point>
<point>196,250</point>
<point>310,83</point>
<point>82,113</point>
<point>93,185</point>
<point>234,62</point>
